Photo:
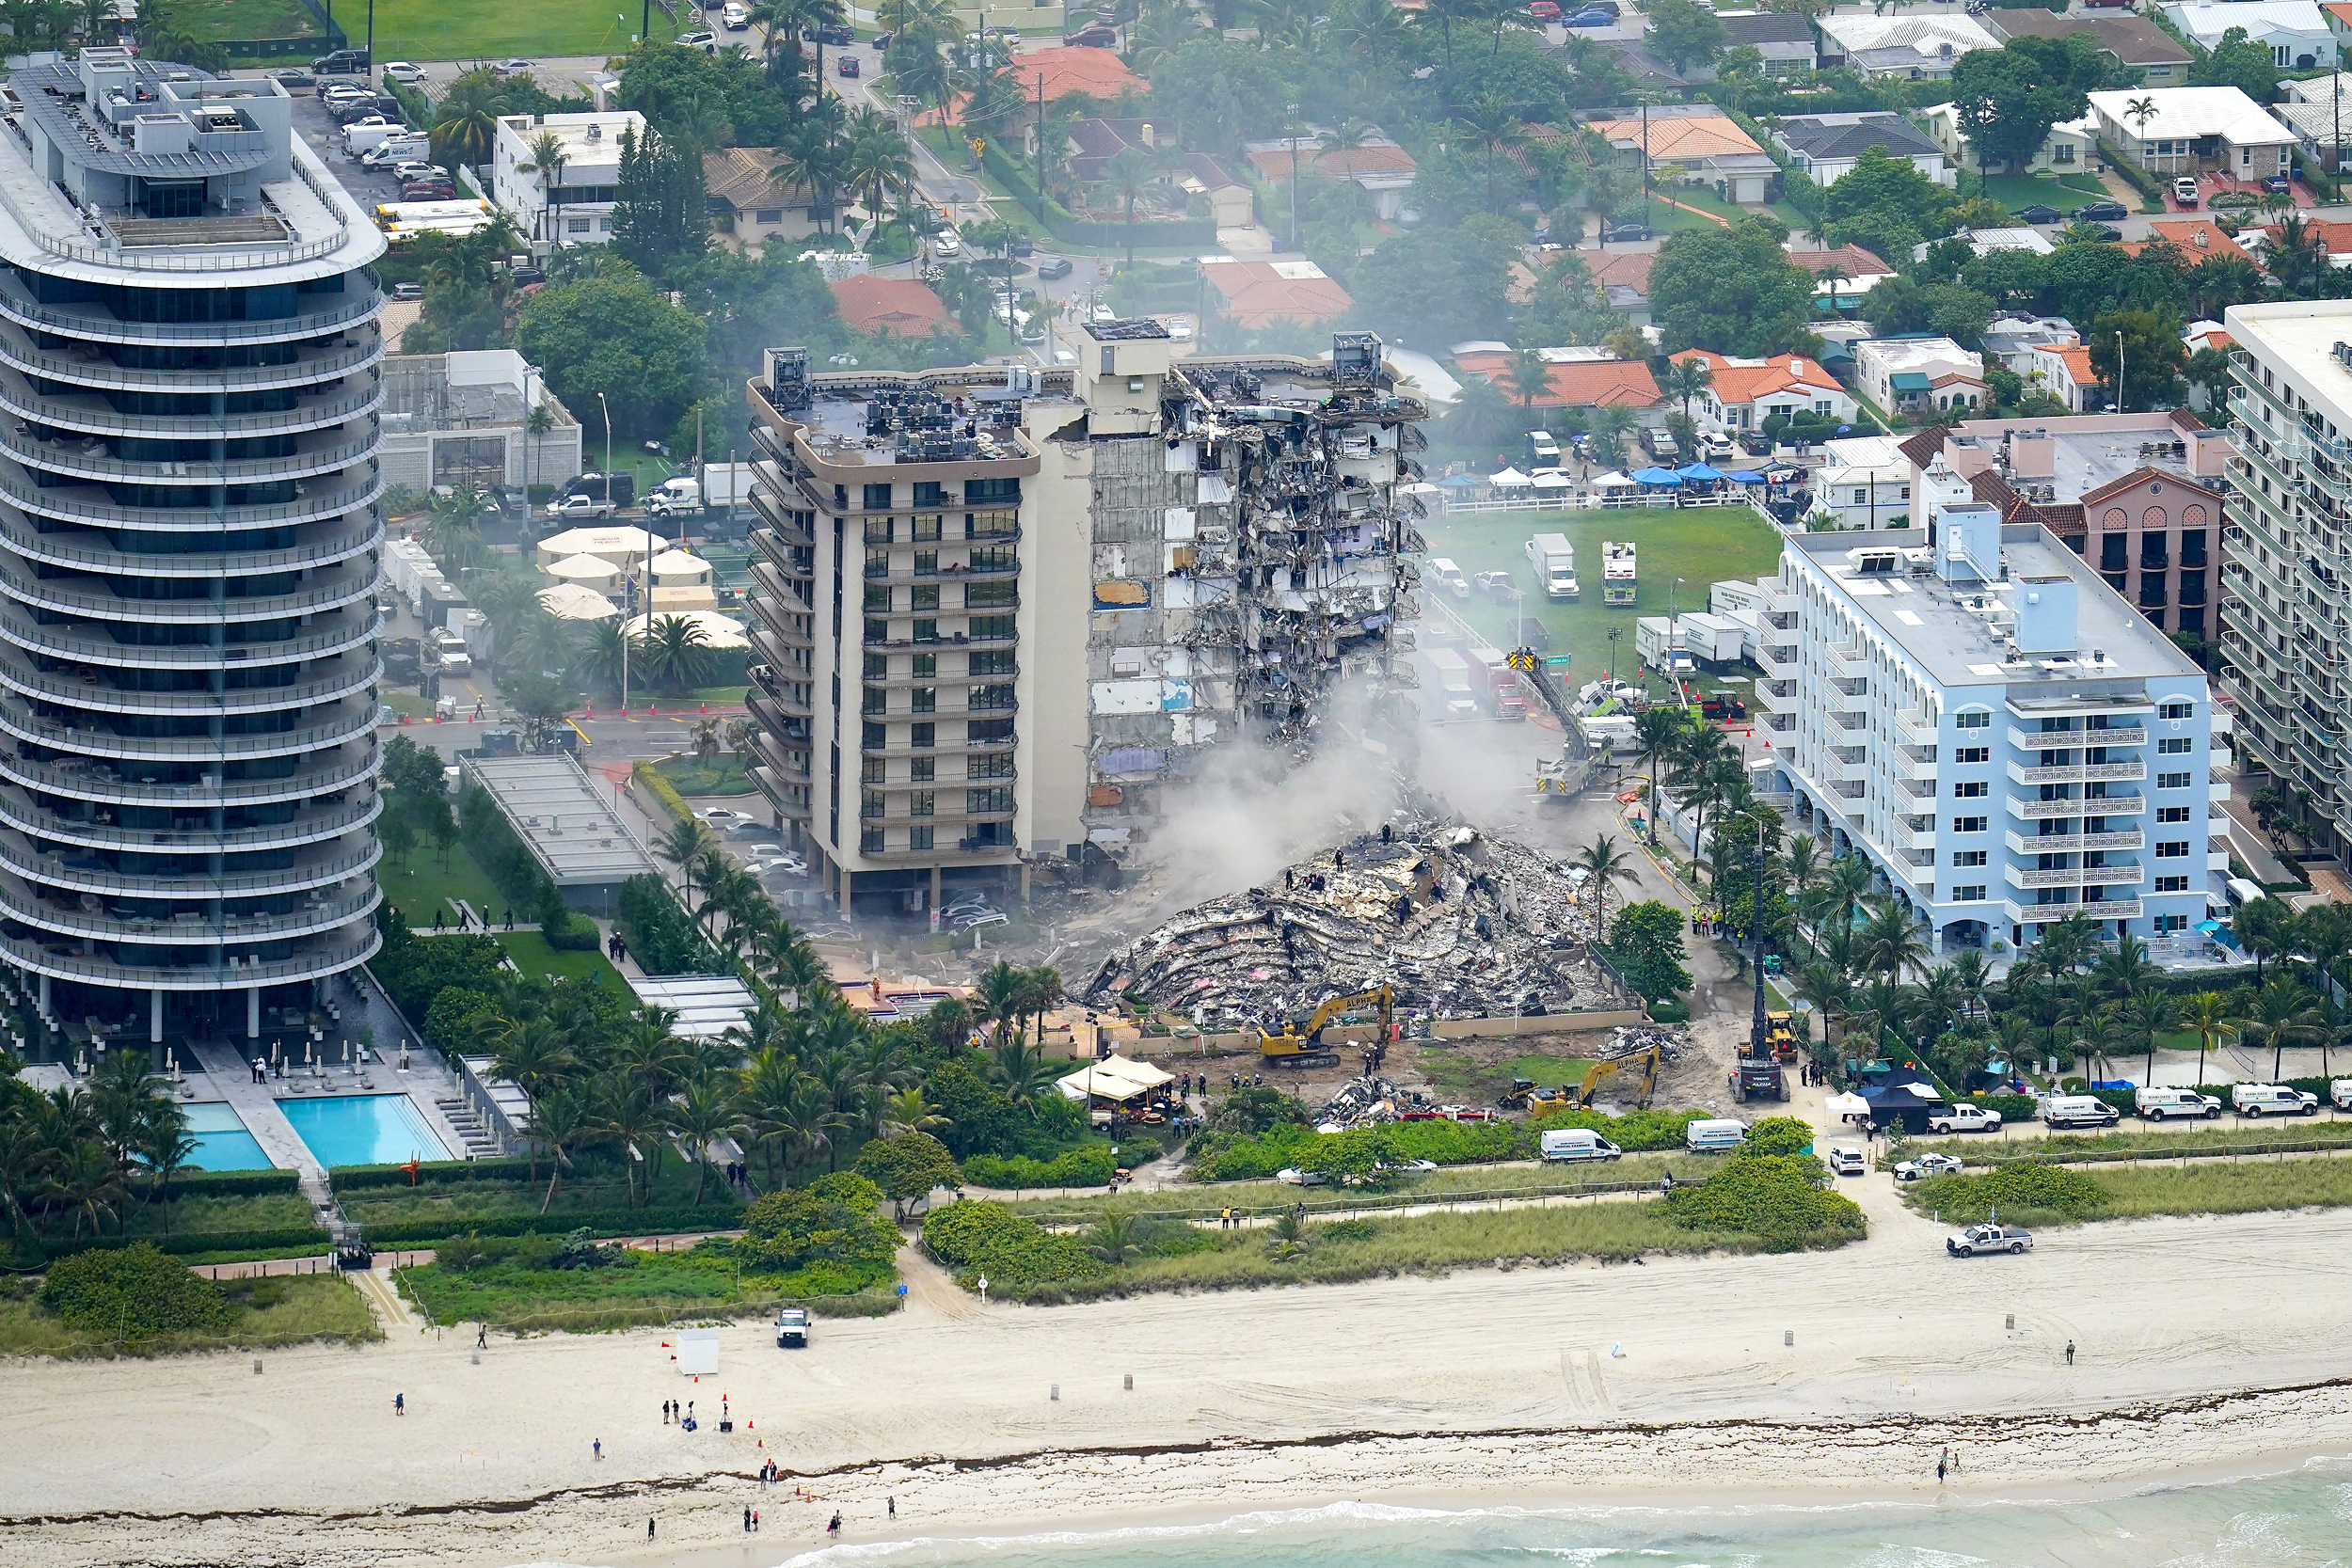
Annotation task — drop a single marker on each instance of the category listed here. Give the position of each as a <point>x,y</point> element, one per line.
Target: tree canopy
<point>1733,291</point>
<point>2010,97</point>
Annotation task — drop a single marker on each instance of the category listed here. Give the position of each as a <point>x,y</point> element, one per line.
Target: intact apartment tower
<point>998,610</point>
<point>2286,569</point>
<point>188,539</point>
<point>2005,737</point>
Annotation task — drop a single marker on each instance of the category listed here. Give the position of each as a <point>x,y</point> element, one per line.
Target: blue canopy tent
<point>1656,476</point>
<point>1699,471</point>
<point>1747,476</point>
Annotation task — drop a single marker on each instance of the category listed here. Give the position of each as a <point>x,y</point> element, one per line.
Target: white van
<point>2157,1104</point>
<point>2276,1100</point>
<point>2340,1093</point>
<point>1446,575</point>
<point>1713,1137</point>
<point>2079,1110</point>
<point>1577,1143</point>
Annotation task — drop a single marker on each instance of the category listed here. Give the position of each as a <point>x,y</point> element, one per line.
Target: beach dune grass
<point>2147,1190</point>
<point>2192,1138</point>
<point>283,1310</point>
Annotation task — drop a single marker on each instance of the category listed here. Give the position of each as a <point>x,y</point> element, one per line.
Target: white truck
<point>1963,1118</point>
<point>1453,684</point>
<point>720,488</point>
<point>2275,1100</point>
<point>1554,559</point>
<point>366,135</point>
<point>1618,586</point>
<point>2340,1093</point>
<point>792,1328</point>
<point>450,647</point>
<point>2158,1103</point>
<point>1563,1143</point>
<point>1446,575</point>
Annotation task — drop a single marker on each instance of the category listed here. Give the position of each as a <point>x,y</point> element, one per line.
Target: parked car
<point>2185,190</point>
<point>792,1328</point>
<point>1925,1167</point>
<point>408,291</point>
<point>414,171</point>
<point>2156,1105</point>
<point>293,77</point>
<point>1987,1238</point>
<point>847,65</point>
<point>1544,11</point>
<point>429,190</point>
<point>1963,1118</point>
<point>408,75</point>
<point>704,40</point>
<point>882,41</point>
<point>341,62</point>
<point>2256,1100</point>
<point>2079,1110</point>
<point>2105,231</point>
<point>1623,230</point>
<point>1054,267</point>
<point>2098,212</point>
<point>2038,213</point>
<point>1588,19</point>
<point>513,68</point>
<point>1847,1162</point>
<point>2277,184</point>
<point>838,35</point>
<point>947,243</point>
<point>720,816</point>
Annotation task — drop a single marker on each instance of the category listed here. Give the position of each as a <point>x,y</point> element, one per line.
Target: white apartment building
<point>2286,566</point>
<point>2005,739</point>
<point>572,203</point>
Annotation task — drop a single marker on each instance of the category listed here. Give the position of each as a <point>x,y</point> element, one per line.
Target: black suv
<point>838,36</point>
<point>343,62</point>
<point>2098,212</point>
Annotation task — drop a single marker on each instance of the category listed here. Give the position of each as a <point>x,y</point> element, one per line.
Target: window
<point>877,563</point>
<point>1861,495</point>
<point>926,596</point>
<point>991,628</point>
<point>2173,884</point>
<point>1975,720</point>
<point>878,531</point>
<point>998,662</point>
<point>877,631</point>
<point>991,699</point>
<point>927,529</point>
<point>2111,556</point>
<point>2172,850</point>
<point>918,838</point>
<point>1970,893</point>
<point>877,497</point>
<point>877,599</point>
<point>2172,781</point>
<point>979,596</point>
<point>919,803</point>
<point>2173,746</point>
<point>923,736</point>
<point>924,664</point>
<point>577,226</point>
<point>1973,790</point>
<point>998,765</point>
<point>926,631</point>
<point>1821,406</point>
<point>921,769</point>
<point>870,841</point>
<point>874,701</point>
<point>2176,710</point>
<point>2192,547</point>
<point>877,666</point>
<point>930,492</point>
<point>1967,857</point>
<point>1968,824</point>
<point>2172,814</point>
<point>2168,922</point>
<point>927,563</point>
<point>768,214</point>
<point>1972,753</point>
<point>870,771</point>
<point>873,738</point>
<point>981,801</point>
<point>988,732</point>
<point>925,700</point>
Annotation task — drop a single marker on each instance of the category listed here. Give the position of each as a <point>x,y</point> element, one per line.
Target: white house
<point>2194,129</point>
<point>2069,147</point>
<point>2064,372</point>
<point>1903,48</point>
<point>1903,376</point>
<point>1863,482</point>
<point>1827,147</point>
<point>2295,31</point>
<point>1744,394</point>
<point>572,203</point>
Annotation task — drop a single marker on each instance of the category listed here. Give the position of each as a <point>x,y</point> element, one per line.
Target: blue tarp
<point>1748,476</point>
<point>1699,471</point>
<point>1656,476</point>
<point>1460,482</point>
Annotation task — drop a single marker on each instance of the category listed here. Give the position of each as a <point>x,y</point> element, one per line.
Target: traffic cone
<point>704,709</point>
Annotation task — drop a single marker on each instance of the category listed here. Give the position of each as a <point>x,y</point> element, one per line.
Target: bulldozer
<point>1298,1043</point>
<point>1524,1096</point>
<point>1780,1035</point>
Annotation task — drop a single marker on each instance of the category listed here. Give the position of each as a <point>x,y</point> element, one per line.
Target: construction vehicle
<point>1525,1095</point>
<point>1762,1077</point>
<point>1645,1061</point>
<point>1297,1044</point>
<point>1780,1035</point>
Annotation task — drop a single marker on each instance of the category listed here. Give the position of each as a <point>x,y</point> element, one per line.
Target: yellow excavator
<point>1298,1043</point>
<point>1524,1096</point>
<point>1645,1061</point>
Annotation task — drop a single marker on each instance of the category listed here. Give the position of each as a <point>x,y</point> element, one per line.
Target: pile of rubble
<point>1460,924</point>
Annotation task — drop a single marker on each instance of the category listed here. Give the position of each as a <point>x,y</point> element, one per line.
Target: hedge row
<point>2133,176</point>
<point>352,1177</point>
<point>285,1238</point>
<point>1090,1166</point>
<point>662,789</point>
<point>596,1222</point>
<point>234,1184</point>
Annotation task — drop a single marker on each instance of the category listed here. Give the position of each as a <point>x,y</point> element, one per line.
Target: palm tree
<point>1127,172</point>
<point>2282,1013</point>
<point>701,1117</point>
<point>1844,886</point>
<point>2140,111</point>
<point>465,122</point>
<point>87,1183</point>
<point>1603,867</point>
<point>1686,378</point>
<point>597,657</point>
<point>876,159</point>
<point>169,1146</point>
<point>25,1158</point>
<point>1657,737</point>
<point>1529,377</point>
<point>907,1111</point>
<point>2206,1015</point>
<point>560,1120</point>
<point>1001,993</point>
<point>769,1097</point>
<point>1889,942</point>
<point>1489,126</point>
<point>2125,971</point>
<point>2148,1014</point>
<point>683,845</point>
<point>1041,993</point>
<point>676,653</point>
<point>1113,1239</point>
<point>1825,986</point>
<point>546,157</point>
<point>1020,1069</point>
<point>628,1110</point>
<point>2263,928</point>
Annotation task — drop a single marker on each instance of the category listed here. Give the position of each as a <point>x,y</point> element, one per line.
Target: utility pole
<point>1293,130</point>
<point>1645,165</point>
<point>372,37</point>
<point>629,589</point>
<point>1040,153</point>
<point>1756,919</point>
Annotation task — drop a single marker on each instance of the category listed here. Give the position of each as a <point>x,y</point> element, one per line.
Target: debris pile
<point>1640,1038</point>
<point>1461,924</point>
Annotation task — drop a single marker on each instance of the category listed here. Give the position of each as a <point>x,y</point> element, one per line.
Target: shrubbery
<point>2021,1187</point>
<point>132,1292</point>
<point>660,936</point>
<point>1231,1157</point>
<point>1780,1135</point>
<point>1088,1165</point>
<point>834,1220</point>
<point>975,1239</point>
<point>1782,1199</point>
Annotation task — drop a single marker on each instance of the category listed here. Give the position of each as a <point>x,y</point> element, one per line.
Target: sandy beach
<point>2206,1347</point>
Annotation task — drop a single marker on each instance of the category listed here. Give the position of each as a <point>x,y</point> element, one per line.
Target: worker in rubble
<point>1404,907</point>
<point>1387,833</point>
<point>1289,879</point>
<point>1338,861</point>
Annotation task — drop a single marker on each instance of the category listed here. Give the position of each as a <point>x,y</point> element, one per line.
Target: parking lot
<point>314,125</point>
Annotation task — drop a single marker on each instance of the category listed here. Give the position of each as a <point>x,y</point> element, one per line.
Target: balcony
<point>67,960</point>
<point>2073,876</point>
<point>943,748</point>
<point>86,779</point>
<point>1914,728</point>
<point>1778,696</point>
<point>1839,700</point>
<point>22,901</point>
<point>2106,805</point>
<point>2111,772</point>
<point>18,719</point>
<point>1844,659</point>
<point>1777,663</point>
<point>904,574</point>
<point>2069,843</point>
<point>87,690</point>
<point>73,595</point>
<point>942,679</point>
<point>956,640</point>
<point>357,303</point>
<point>789,560</point>
<point>1925,769</point>
<point>56,871</point>
<point>88,504</point>
<point>2050,740</point>
<point>2038,915</point>
<point>70,548</point>
<point>789,799</point>
<point>94,369</point>
<point>98,832</point>
<point>773,707</point>
<point>85,641</point>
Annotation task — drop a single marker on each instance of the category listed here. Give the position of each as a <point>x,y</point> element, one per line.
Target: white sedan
<point>406,74</point>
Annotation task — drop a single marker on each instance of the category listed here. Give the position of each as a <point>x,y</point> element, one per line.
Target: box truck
<point>1554,559</point>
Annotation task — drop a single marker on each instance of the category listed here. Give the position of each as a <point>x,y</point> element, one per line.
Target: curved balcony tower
<point>189,530</point>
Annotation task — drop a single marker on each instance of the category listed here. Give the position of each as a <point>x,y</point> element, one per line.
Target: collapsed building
<point>1458,923</point>
<point>1072,584</point>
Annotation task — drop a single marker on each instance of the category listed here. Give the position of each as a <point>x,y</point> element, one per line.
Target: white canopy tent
<point>1551,479</point>
<point>1114,1078</point>
<point>1509,478</point>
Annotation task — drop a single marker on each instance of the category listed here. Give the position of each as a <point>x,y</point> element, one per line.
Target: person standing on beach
<point>2069,1353</point>
<point>833,1529</point>
<point>599,1446</point>
<point>649,1530</point>
<point>400,1404</point>
<point>747,1521</point>
<point>894,1508</point>
<point>1939,1471</point>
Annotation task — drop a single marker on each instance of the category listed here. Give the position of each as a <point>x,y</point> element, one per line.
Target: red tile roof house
<point>1572,383</point>
<point>899,307</point>
<point>1260,292</point>
<point>1746,392</point>
<point>1379,168</point>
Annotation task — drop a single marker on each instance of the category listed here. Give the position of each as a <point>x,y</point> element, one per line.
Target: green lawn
<point>688,776</point>
<point>1699,195</point>
<point>1455,1071</point>
<point>533,956</point>
<point>210,21</point>
<point>1705,545</point>
<point>423,886</point>
<point>2014,191</point>
<point>446,31</point>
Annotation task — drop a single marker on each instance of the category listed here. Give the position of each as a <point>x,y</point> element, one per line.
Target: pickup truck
<point>1963,1118</point>
<point>1926,1165</point>
<point>792,1328</point>
<point>1987,1238</point>
<point>579,506</point>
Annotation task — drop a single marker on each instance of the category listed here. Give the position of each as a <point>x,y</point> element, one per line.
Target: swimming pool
<point>363,1130</point>
<point>222,1142</point>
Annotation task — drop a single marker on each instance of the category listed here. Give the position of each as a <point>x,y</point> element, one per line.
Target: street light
<point>1616,635</point>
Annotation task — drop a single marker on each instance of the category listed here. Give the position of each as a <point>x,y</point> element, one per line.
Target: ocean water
<point>2298,1519</point>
